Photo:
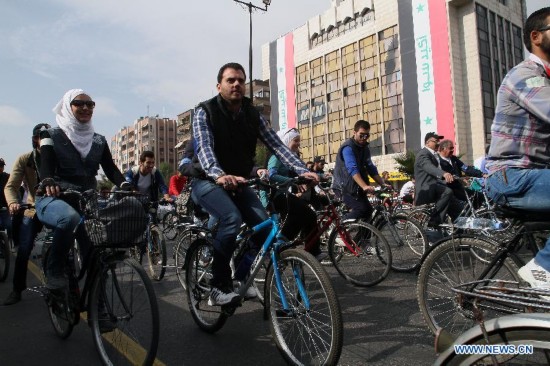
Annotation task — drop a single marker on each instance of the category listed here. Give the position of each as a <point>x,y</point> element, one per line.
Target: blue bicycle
<point>300,302</point>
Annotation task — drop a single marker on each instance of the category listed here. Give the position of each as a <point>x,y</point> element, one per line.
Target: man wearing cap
<point>26,170</point>
<point>352,170</point>
<point>5,219</point>
<point>319,167</point>
<point>430,179</point>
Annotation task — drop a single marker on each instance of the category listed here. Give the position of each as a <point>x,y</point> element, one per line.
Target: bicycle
<point>154,244</point>
<point>406,237</point>
<point>467,257</point>
<point>117,295</point>
<point>300,302</point>
<point>527,334</point>
<point>5,252</point>
<point>358,250</point>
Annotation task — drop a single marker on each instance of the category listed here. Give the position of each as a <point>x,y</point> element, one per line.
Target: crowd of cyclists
<point>220,157</point>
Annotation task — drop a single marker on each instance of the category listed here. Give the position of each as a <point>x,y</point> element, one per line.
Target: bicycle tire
<point>170,225</point>
<point>322,321</point>
<point>372,261</point>
<point>124,314</point>
<point>156,254</point>
<point>61,317</point>
<point>407,242</point>
<point>520,335</point>
<point>450,263</point>
<point>5,256</point>
<point>184,243</point>
<point>198,275</point>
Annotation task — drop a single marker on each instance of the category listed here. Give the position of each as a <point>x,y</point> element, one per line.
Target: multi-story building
<point>407,66</point>
<point>183,128</point>
<point>147,133</point>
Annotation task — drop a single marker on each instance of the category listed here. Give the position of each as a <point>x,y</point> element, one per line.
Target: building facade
<point>407,66</point>
<point>147,133</point>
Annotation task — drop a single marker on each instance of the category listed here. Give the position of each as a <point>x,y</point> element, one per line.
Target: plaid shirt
<point>204,148</point>
<point>521,128</point>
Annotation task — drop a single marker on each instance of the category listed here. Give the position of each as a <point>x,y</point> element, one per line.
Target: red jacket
<point>176,184</point>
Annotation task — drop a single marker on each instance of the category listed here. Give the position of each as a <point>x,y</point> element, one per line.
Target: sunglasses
<point>81,103</point>
<point>543,29</point>
<point>364,136</point>
<point>293,129</point>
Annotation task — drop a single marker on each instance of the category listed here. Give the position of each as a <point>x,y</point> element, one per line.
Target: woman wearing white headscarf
<point>300,217</point>
<point>70,158</point>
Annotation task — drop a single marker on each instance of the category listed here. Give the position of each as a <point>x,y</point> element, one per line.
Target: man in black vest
<point>351,172</point>
<point>226,129</point>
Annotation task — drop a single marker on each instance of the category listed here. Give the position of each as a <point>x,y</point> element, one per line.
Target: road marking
<point>134,351</point>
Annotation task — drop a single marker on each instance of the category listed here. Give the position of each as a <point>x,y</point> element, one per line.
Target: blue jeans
<point>231,208</point>
<point>58,215</point>
<point>526,189</point>
<point>27,233</point>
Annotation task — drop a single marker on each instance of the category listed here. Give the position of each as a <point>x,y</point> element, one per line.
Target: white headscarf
<point>80,134</point>
<point>288,135</point>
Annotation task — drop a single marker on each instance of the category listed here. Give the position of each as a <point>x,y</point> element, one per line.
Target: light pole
<point>250,7</point>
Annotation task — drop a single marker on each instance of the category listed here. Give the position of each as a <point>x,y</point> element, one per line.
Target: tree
<point>166,170</point>
<point>405,162</point>
<point>261,154</point>
<point>104,182</point>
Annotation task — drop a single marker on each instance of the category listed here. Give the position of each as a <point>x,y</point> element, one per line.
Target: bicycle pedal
<point>230,309</point>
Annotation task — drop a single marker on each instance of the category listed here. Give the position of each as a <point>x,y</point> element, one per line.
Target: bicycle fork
<point>280,288</point>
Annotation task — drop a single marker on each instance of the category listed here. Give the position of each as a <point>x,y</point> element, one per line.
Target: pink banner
<point>442,68</point>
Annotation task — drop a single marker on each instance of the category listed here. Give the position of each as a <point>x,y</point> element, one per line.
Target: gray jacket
<point>427,174</point>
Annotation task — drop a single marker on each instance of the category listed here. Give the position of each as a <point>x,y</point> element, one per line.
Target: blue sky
<point>131,56</point>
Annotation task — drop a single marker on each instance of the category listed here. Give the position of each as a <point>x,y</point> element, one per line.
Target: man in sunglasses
<point>26,169</point>
<point>352,170</point>
<point>519,157</point>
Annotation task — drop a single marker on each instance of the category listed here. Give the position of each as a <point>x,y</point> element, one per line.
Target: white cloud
<point>12,117</point>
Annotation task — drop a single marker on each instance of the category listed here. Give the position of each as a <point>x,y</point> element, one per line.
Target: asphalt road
<point>382,326</point>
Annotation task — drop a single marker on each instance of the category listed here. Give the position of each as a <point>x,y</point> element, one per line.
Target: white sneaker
<point>536,276</point>
<point>251,292</point>
<point>219,298</point>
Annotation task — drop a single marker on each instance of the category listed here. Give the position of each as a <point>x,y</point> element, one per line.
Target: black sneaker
<point>13,298</point>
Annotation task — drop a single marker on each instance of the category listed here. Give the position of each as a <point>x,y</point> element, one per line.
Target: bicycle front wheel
<point>124,315</point>
<point>360,253</point>
<point>156,254</point>
<point>170,225</point>
<point>309,330</point>
<point>451,263</point>
<point>4,256</point>
<point>407,242</point>
<point>199,273</point>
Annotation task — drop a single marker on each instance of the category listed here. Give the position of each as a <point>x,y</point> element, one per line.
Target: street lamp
<point>250,7</point>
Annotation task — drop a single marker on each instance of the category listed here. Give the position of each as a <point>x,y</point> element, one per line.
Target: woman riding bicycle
<point>70,158</point>
<point>299,216</point>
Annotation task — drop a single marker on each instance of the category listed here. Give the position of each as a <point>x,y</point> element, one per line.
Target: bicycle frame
<point>270,248</point>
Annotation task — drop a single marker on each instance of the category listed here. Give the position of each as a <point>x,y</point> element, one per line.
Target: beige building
<point>147,133</point>
<point>407,66</point>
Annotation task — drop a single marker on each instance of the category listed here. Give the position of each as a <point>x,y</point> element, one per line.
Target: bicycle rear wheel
<point>407,242</point>
<point>170,225</point>
<point>199,272</point>
<point>450,263</point>
<point>4,256</point>
<point>62,305</point>
<point>156,254</point>
<point>310,330</point>
<point>124,314</point>
<point>360,253</point>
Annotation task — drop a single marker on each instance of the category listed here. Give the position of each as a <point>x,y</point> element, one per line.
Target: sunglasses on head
<point>293,129</point>
<point>81,103</point>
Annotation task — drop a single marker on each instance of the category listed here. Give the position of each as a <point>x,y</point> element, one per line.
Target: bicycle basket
<point>120,224</point>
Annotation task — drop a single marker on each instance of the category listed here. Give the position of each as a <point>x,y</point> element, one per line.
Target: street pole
<point>251,6</point>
